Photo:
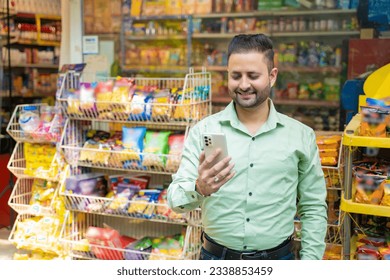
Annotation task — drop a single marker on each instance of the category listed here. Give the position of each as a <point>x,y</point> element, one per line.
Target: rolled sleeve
<point>182,196</point>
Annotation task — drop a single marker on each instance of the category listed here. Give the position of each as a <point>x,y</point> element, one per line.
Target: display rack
<point>52,135</point>
<point>26,233</point>
<point>37,225</point>
<point>84,210</point>
<point>17,165</point>
<point>73,235</point>
<point>21,196</point>
<point>352,141</point>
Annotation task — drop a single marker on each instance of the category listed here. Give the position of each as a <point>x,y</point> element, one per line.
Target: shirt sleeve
<point>312,207</point>
<point>182,196</point>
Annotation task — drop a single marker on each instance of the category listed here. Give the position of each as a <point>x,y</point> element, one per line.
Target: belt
<point>275,253</point>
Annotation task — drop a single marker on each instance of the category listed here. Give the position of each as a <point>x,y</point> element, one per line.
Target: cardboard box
<point>203,6</point>
<point>173,7</point>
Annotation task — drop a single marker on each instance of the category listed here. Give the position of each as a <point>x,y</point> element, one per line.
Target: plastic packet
<point>156,148</point>
<point>161,108</point>
<point>133,144</point>
<point>141,107</point>
<point>122,96</point>
<point>369,186</point>
<point>138,250</point>
<point>176,145</point>
<point>103,96</point>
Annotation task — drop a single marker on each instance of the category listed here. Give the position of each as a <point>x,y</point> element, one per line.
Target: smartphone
<point>213,141</point>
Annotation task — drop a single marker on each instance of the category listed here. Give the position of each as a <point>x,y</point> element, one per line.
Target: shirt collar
<point>229,114</point>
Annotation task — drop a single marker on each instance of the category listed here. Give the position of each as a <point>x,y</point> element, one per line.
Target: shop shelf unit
<point>352,143</point>
<point>35,208</point>
<point>73,236</point>
<point>85,210</point>
<point>38,233</point>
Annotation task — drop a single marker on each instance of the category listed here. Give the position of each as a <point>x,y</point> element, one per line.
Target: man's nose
<point>244,83</point>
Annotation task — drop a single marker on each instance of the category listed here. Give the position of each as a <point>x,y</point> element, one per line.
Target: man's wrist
<point>197,189</point>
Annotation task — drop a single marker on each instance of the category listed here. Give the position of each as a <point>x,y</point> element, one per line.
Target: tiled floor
<point>6,248</point>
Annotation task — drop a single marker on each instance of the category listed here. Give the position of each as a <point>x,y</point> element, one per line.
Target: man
<point>249,199</point>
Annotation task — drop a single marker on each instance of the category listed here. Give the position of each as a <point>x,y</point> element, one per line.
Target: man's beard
<point>260,97</point>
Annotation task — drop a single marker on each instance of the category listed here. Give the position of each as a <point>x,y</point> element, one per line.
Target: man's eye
<point>253,77</point>
<point>235,77</point>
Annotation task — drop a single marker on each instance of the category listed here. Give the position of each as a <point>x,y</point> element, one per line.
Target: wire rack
<point>52,133</point>
<point>74,237</point>
<point>151,211</point>
<point>194,102</point>
<point>41,233</point>
<point>22,196</point>
<point>75,153</point>
<point>18,166</point>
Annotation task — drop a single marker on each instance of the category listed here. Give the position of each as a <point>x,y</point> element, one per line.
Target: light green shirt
<point>255,210</point>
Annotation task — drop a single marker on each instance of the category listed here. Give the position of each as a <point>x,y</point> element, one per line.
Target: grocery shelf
<point>294,69</point>
<point>279,34</point>
<point>38,43</point>
<point>39,233</point>
<point>316,33</point>
<point>289,102</point>
<point>307,102</point>
<point>155,37</point>
<point>17,165</point>
<point>21,197</point>
<point>192,105</point>
<point>177,114</point>
<point>352,139</point>
<point>74,238</point>
<point>16,132</point>
<point>155,68</point>
<point>119,160</point>
<point>347,205</point>
<point>280,12</point>
<point>35,65</point>
<point>101,206</point>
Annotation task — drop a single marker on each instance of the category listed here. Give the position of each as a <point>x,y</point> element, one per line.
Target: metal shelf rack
<point>85,211</point>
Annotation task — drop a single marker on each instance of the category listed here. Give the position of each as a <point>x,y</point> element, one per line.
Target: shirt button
<point>244,247</point>
<point>193,196</point>
<point>181,207</point>
<point>250,194</point>
<point>251,165</point>
<point>253,138</point>
<point>247,219</point>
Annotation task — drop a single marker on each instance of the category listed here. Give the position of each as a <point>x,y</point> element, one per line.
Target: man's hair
<point>244,43</point>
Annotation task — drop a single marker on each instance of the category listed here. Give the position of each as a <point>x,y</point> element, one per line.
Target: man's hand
<point>212,177</point>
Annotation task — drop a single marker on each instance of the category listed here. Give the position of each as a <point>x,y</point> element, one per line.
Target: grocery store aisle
<point>6,248</point>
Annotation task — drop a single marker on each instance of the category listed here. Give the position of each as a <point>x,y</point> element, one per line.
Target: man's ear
<point>272,76</point>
